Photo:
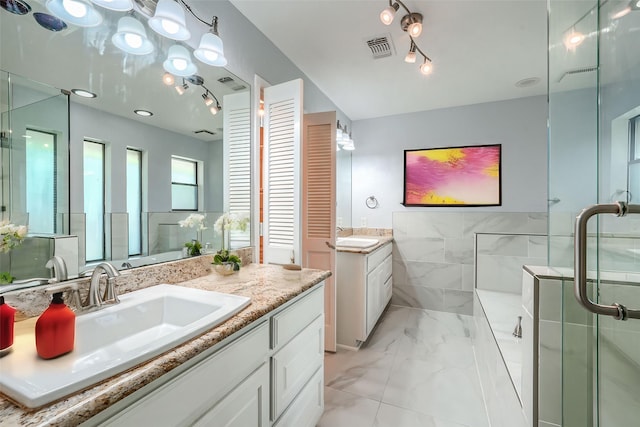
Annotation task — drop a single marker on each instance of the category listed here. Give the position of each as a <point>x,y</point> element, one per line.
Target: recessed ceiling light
<point>84,93</point>
<point>528,82</point>
<point>18,7</point>
<point>143,113</point>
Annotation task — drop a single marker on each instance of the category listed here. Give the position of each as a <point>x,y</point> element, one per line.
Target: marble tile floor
<point>416,370</point>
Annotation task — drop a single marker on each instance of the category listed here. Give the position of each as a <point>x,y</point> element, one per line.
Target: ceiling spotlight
<point>76,12</point>
<point>116,5</point>
<point>169,21</point>
<point>215,108</point>
<point>131,37</point>
<point>211,51</point>
<point>426,67</point>
<point>179,62</point>
<point>412,24</point>
<point>83,93</point>
<point>168,79</point>
<point>387,15</point>
<point>181,89</point>
<point>207,99</point>
<point>411,55</point>
<point>143,113</point>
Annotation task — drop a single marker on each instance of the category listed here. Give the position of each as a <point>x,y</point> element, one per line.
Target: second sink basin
<point>145,324</point>
<point>356,242</point>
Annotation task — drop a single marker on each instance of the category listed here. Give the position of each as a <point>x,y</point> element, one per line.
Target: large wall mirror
<point>118,181</point>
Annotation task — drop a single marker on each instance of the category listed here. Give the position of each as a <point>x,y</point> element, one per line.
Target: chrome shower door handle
<point>617,311</point>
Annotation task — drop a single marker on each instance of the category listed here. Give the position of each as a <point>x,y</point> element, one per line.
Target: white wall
<point>520,125</point>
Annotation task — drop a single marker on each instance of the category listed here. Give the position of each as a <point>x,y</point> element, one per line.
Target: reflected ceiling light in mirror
<point>207,99</point>
<point>211,50</point>
<point>76,12</point>
<point>169,21</point>
<point>131,37</point>
<point>143,113</point>
<point>18,7</point>
<point>411,23</point>
<point>181,89</point>
<point>179,62</point>
<point>622,12</point>
<point>84,93</point>
<point>49,22</point>
<point>168,79</point>
<point>573,39</point>
<point>116,5</point>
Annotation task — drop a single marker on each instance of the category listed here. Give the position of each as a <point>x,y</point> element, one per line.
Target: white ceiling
<point>479,49</point>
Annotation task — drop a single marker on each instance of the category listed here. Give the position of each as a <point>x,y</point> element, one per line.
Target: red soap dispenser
<point>7,318</point>
<point>55,329</point>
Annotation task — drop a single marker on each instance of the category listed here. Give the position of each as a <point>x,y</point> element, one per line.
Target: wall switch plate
<point>363,222</point>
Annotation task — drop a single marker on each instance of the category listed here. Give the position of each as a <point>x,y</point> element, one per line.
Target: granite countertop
<point>382,240</point>
<point>268,286</point>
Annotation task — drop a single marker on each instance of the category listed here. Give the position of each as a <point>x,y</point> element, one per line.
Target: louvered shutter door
<point>319,208</point>
<point>282,140</point>
<point>237,174</point>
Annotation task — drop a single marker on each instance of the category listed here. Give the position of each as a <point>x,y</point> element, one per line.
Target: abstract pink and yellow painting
<point>453,176</point>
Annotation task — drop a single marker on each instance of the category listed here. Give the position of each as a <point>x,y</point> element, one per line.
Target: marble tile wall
<point>433,254</point>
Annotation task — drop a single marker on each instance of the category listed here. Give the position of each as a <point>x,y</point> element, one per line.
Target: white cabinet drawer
<point>294,364</point>
<point>246,406</point>
<point>288,323</point>
<point>185,398</point>
<point>376,257</point>
<point>307,408</point>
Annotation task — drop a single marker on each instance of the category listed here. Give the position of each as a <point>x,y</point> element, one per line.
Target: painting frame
<point>471,171</point>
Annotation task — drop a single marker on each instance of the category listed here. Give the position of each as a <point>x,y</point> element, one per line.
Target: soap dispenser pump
<point>55,329</point>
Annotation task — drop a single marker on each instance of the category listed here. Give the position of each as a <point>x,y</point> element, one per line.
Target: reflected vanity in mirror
<point>98,167</point>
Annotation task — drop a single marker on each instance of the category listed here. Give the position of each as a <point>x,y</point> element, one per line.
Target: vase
<point>224,269</point>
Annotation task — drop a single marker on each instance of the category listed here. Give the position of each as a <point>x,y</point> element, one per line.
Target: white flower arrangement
<point>194,221</point>
<point>12,235</point>
<point>231,221</point>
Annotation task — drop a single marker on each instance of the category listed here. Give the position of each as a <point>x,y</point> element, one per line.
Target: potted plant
<point>224,261</point>
<point>196,221</point>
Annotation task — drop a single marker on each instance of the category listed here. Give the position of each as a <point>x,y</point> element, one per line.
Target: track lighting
<point>181,89</point>
<point>388,13</point>
<point>207,99</point>
<point>411,23</point>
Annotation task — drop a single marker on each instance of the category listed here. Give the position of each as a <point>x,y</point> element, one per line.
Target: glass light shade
<point>181,89</point>
<point>117,5</point>
<point>426,68</point>
<point>387,15</point>
<point>76,12</point>
<point>214,110</point>
<point>410,58</point>
<point>168,79</point>
<point>211,51</point>
<point>207,99</point>
<point>179,62</point>
<point>338,134</point>
<point>169,21</point>
<point>131,37</point>
<point>415,29</point>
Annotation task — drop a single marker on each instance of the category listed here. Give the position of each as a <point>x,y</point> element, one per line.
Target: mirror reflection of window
<point>184,184</point>
<point>41,181</point>
<point>134,200</point>
<point>94,200</point>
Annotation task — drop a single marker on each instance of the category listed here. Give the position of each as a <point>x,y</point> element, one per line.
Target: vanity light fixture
<point>84,93</point>
<point>411,23</point>
<point>179,62</point>
<point>115,5</point>
<point>76,12</point>
<point>131,37</point>
<point>143,113</point>
<point>211,51</point>
<point>169,21</point>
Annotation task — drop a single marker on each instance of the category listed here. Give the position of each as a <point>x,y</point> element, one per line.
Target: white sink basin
<point>355,242</point>
<point>145,324</point>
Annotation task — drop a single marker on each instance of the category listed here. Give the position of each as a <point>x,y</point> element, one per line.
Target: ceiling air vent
<point>381,46</point>
<point>234,85</point>
<point>204,131</point>
<point>577,71</point>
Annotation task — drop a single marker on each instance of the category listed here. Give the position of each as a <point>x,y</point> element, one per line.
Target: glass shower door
<point>594,158</point>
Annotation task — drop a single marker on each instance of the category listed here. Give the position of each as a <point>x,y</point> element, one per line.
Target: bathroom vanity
<point>364,286</point>
<point>262,367</point>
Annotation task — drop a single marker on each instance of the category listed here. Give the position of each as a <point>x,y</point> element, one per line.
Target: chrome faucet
<point>126,264</point>
<point>110,295</point>
<point>58,268</point>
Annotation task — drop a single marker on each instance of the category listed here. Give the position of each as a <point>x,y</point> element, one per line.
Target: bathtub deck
<point>502,310</point>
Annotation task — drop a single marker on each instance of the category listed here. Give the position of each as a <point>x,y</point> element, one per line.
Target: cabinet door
<point>307,408</point>
<point>246,406</point>
<point>374,286</point>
